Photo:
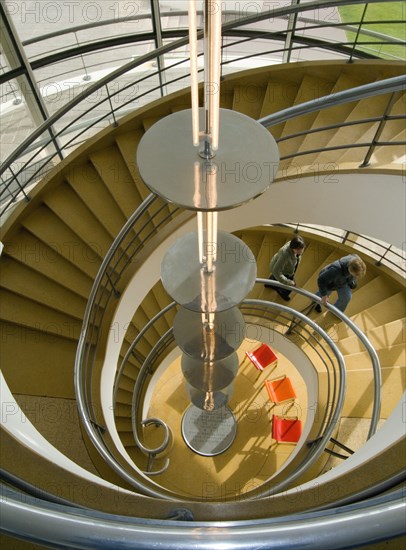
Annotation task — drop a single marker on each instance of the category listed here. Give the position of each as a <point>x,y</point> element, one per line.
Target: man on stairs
<point>284,264</point>
<point>340,276</point>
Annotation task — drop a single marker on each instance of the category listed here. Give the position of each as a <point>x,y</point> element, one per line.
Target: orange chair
<point>280,390</point>
<point>286,430</point>
<point>262,357</point>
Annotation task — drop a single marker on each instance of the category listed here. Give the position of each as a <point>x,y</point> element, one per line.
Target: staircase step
<point>45,362</point>
<point>115,174</point>
<point>334,115</point>
<point>151,308</point>
<point>381,313</point>
<point>388,156</point>
<point>150,121</point>
<point>358,402</point>
<point>124,424</point>
<point>139,321</point>
<point>248,100</point>
<point>45,260</point>
<point>46,291</point>
<point>50,229</point>
<point>127,144</point>
<point>311,88</point>
<point>370,293</point>
<point>124,396</point>
<point>127,439</point>
<point>88,184</point>
<point>279,95</point>
<point>381,337</point>
<point>65,203</point>
<point>33,317</point>
<point>141,351</point>
<point>393,355</point>
<point>127,383</point>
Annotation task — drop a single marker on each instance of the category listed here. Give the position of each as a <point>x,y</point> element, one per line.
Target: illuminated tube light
<point>194,72</point>
<point>215,59</point>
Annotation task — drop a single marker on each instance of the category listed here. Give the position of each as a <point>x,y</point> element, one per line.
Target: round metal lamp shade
<point>225,287</point>
<point>209,433</point>
<point>200,341</point>
<point>208,401</point>
<point>243,167</point>
<point>210,376</point>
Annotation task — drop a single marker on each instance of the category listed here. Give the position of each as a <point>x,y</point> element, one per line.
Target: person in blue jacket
<point>340,276</point>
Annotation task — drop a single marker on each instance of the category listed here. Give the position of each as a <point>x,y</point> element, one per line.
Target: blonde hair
<point>357,267</point>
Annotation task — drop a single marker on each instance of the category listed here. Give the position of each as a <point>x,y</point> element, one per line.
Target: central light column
<point>232,160</point>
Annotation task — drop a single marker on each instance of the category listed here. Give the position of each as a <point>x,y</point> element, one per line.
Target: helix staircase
<point>55,244</point>
<point>379,296</point>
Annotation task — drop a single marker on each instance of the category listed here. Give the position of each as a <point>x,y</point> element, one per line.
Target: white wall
<point>369,204</point>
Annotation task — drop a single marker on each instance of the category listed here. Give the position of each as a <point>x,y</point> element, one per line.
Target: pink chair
<point>280,390</point>
<point>286,430</point>
<point>262,357</point>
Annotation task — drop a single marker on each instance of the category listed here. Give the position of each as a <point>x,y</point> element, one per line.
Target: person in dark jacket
<point>340,276</point>
<point>284,264</point>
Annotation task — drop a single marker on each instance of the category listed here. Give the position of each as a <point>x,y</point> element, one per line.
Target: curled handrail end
<point>160,471</point>
<point>158,450</point>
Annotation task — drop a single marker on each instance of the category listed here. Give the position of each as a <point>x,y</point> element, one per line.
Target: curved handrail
<point>376,366</point>
<point>331,417</point>
<point>277,12</point>
<point>145,369</point>
<point>367,90</point>
<point>319,444</point>
<point>335,528</point>
<point>394,84</point>
<point>82,390</point>
<point>381,257</point>
<point>142,59</point>
<point>81,387</point>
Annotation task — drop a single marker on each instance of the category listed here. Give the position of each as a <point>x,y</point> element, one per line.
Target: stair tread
<point>90,187</point>
<point>380,337</point>
<point>45,260</point>
<point>48,292</point>
<point>385,311</point>
<point>248,99</point>
<point>114,172</point>
<point>66,204</point>
<point>48,228</point>
<point>20,310</point>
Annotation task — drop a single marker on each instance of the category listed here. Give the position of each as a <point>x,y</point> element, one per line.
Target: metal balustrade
<point>119,258</point>
<point>107,286</point>
<point>15,180</point>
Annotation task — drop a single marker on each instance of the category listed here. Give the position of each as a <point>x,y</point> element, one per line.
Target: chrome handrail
<point>331,417</point>
<point>381,256</point>
<point>394,84</point>
<point>376,366</point>
<point>81,382</point>
<point>340,527</point>
<point>367,90</point>
<point>156,53</point>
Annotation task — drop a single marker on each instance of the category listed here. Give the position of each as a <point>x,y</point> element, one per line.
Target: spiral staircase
<point>55,244</point>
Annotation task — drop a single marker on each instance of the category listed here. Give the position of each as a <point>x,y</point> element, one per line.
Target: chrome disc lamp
<point>208,159</point>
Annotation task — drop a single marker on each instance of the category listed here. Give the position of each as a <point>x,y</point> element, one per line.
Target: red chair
<point>262,357</point>
<point>286,430</point>
<point>280,390</point>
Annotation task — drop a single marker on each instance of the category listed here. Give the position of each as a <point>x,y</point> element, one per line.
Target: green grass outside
<point>394,11</point>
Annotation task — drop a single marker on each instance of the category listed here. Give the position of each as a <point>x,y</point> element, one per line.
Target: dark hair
<point>297,242</point>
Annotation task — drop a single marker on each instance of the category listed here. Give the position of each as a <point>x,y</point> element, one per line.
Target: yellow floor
<point>253,457</point>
